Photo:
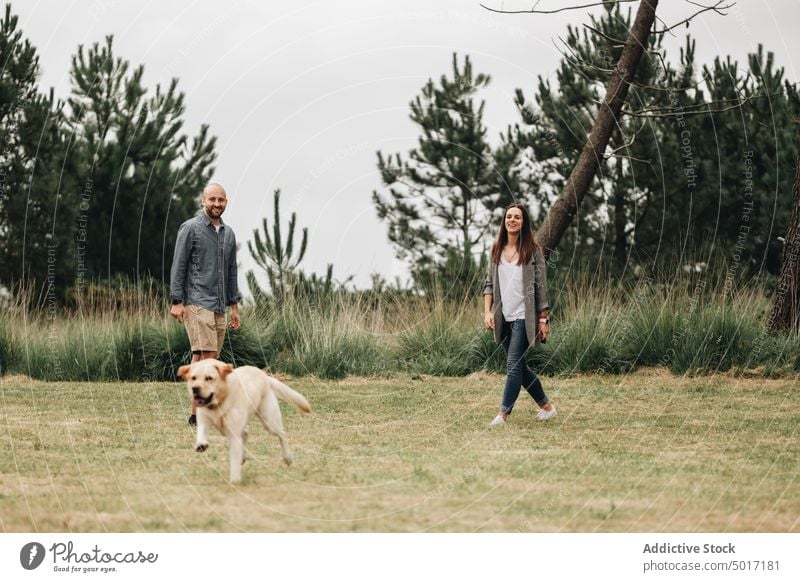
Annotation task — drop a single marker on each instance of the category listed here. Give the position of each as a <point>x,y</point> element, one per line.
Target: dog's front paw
<point>200,447</point>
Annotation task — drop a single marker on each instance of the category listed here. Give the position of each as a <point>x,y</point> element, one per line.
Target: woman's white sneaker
<point>498,421</point>
<point>546,414</point>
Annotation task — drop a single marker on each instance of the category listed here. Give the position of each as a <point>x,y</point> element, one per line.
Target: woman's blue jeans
<point>518,374</point>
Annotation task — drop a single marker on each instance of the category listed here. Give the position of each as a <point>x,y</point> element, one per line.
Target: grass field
<point>642,452</point>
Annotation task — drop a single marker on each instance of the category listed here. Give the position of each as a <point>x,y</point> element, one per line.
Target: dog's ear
<point>223,369</point>
<point>183,371</point>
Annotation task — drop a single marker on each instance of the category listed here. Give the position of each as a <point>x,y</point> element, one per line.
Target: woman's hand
<point>488,321</point>
<point>543,331</point>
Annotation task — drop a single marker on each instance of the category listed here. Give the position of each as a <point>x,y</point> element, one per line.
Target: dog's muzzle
<point>199,400</point>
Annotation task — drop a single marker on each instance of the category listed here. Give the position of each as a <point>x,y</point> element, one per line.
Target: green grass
<point>646,451</point>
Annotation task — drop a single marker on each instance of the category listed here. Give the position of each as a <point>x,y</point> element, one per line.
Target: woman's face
<point>514,220</point>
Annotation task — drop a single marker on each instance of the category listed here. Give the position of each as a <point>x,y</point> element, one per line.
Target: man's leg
<point>201,355</point>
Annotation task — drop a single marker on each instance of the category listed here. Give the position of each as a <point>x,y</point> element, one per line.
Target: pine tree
<point>745,163</point>
<point>142,175</point>
<point>37,216</point>
<point>274,256</point>
<point>441,198</point>
<point>670,186</point>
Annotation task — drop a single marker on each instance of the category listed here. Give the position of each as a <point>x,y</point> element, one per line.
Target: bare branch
<point>534,11</point>
<point>635,159</point>
<point>696,109</point>
<point>574,59</point>
<point>627,144</point>
<point>615,42</point>
<point>679,113</point>
<point>715,8</point>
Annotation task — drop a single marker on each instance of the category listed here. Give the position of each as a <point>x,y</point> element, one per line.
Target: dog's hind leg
<point>270,415</point>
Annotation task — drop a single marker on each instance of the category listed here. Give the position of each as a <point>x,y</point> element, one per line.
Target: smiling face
<point>205,380</point>
<point>514,220</point>
<point>214,201</point>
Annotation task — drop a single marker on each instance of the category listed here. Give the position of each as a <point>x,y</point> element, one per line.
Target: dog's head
<point>206,381</point>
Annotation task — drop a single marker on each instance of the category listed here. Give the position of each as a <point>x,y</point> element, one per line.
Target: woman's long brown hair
<point>526,245</point>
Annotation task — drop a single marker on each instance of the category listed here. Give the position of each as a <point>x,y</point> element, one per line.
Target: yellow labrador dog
<point>228,399</point>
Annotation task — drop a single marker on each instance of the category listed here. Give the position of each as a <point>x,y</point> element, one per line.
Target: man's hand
<point>178,311</point>
<point>488,321</point>
<point>235,321</point>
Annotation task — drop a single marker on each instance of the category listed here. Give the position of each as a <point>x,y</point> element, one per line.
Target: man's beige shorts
<point>206,329</point>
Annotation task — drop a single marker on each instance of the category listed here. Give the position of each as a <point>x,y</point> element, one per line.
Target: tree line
<point>699,167</point>
<point>95,186</point>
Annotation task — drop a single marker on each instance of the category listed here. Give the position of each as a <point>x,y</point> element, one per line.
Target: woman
<point>516,307</point>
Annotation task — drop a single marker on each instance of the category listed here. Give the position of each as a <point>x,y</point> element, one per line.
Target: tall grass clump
<point>599,325</point>
<point>682,323</point>
<point>147,350</point>
<point>772,355</point>
<point>584,332</point>
<point>699,333</point>
<point>108,333</point>
<point>487,354</point>
<point>6,343</point>
<point>81,349</point>
<point>445,342</point>
<point>330,338</point>
<point>648,321</point>
<point>710,340</point>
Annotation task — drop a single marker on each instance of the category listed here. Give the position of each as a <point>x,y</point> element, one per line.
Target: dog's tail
<point>291,396</point>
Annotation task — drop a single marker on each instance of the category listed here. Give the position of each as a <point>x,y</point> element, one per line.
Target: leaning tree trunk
<point>786,311</point>
<point>566,206</point>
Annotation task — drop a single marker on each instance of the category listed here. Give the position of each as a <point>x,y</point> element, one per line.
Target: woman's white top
<point>511,292</point>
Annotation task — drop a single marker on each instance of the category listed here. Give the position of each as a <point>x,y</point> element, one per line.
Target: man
<point>203,278</point>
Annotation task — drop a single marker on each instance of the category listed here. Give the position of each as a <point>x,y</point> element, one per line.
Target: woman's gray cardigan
<point>534,281</point>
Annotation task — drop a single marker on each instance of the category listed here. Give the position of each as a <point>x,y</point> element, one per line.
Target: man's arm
<point>180,264</point>
<point>177,275</point>
<point>232,287</point>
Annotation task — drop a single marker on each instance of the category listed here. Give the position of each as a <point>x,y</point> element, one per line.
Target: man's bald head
<point>214,188</point>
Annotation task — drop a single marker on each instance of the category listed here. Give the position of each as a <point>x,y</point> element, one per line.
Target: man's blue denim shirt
<point>204,266</point>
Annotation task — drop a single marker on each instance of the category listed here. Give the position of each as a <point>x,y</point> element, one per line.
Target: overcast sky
<point>302,94</point>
